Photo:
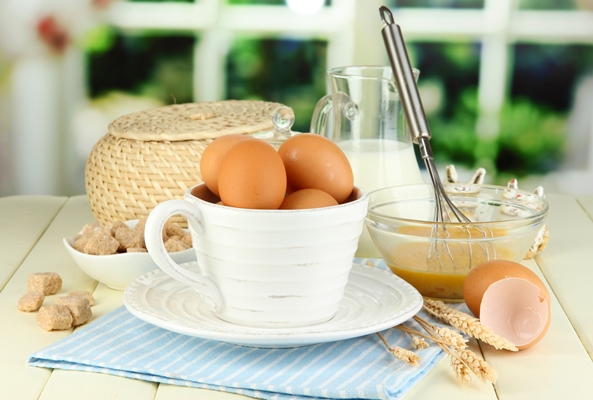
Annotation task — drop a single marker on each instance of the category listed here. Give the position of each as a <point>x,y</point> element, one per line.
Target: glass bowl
<point>436,257</point>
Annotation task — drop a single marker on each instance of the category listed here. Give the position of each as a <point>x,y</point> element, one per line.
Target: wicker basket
<point>152,156</point>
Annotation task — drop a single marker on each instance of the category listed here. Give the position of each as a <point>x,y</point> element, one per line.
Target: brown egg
<point>315,162</point>
<point>252,175</point>
<point>510,299</point>
<point>308,198</point>
<point>202,192</point>
<point>212,157</point>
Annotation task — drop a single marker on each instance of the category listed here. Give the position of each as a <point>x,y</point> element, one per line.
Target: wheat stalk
<point>477,365</point>
<point>462,372</point>
<point>448,336</point>
<point>467,324</point>
<point>400,353</point>
<point>463,361</point>
<point>418,342</point>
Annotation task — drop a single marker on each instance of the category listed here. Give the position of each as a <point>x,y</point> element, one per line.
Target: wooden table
<point>31,229</point>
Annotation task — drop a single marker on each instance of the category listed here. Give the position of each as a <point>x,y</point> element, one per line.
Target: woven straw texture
<point>152,156</point>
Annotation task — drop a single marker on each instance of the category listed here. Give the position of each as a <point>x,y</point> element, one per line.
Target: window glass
<point>155,66</point>
<point>547,73</point>
<point>439,3</point>
<point>545,117</point>
<point>291,72</point>
<point>263,2</point>
<point>448,87</point>
<point>266,2</point>
<point>549,112</point>
<point>550,4</point>
<point>161,1</point>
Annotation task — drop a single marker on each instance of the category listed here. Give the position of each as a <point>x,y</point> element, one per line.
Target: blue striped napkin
<point>121,344</point>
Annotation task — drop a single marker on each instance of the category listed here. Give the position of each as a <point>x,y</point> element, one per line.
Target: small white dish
<point>374,300</point>
<point>118,270</point>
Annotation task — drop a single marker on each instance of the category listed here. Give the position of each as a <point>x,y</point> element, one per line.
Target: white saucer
<point>374,300</point>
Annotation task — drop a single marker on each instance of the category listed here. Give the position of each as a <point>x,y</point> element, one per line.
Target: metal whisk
<point>445,210</point>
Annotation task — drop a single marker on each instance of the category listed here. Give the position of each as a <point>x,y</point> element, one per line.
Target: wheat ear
<point>478,366</point>
<point>448,336</point>
<point>467,324</point>
<point>463,360</point>
<point>400,353</point>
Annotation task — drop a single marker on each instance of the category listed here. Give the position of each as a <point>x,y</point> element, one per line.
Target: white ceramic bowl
<point>264,268</point>
<point>118,270</point>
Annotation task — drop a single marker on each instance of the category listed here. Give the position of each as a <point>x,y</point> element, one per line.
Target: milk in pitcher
<point>376,164</point>
<point>379,163</point>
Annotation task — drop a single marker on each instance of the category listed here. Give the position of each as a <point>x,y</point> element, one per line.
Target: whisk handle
<point>404,77</point>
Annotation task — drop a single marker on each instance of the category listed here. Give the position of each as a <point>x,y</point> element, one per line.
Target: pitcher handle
<point>320,116</point>
<point>154,244</point>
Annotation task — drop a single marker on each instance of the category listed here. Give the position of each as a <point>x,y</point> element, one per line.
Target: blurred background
<point>507,84</point>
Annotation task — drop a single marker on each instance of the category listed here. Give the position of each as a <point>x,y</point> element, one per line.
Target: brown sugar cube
<point>54,317</point>
<point>88,229</point>
<point>117,225</point>
<point>101,243</point>
<point>136,250</point>
<point>84,293</point>
<point>173,245</point>
<point>128,238</point>
<point>80,242</point>
<point>113,229</point>
<point>31,301</point>
<point>173,229</point>
<point>79,307</point>
<point>140,229</point>
<point>83,236</point>
<point>44,282</point>
<point>187,239</point>
<point>126,231</point>
<point>140,225</point>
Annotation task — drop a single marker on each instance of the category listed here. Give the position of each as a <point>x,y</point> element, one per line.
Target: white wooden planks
<point>23,220</point>
<point>567,263</point>
<point>558,367</point>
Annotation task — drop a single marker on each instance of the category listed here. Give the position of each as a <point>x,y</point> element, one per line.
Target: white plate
<point>374,300</point>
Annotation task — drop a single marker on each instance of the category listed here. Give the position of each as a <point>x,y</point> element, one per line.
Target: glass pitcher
<point>363,115</point>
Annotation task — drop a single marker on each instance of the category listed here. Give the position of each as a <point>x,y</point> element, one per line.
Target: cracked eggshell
<point>517,310</point>
<point>510,299</point>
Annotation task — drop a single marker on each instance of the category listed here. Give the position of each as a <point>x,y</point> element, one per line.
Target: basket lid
<point>196,121</point>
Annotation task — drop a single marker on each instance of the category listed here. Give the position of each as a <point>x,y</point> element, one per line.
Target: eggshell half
<point>517,310</point>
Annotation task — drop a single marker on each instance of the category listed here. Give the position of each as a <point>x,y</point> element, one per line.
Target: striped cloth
<point>121,344</point>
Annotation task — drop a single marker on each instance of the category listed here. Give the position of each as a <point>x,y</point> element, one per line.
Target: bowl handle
<point>154,244</point>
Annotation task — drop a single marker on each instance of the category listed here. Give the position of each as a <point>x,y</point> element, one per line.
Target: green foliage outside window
<point>531,139</point>
<point>287,71</point>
